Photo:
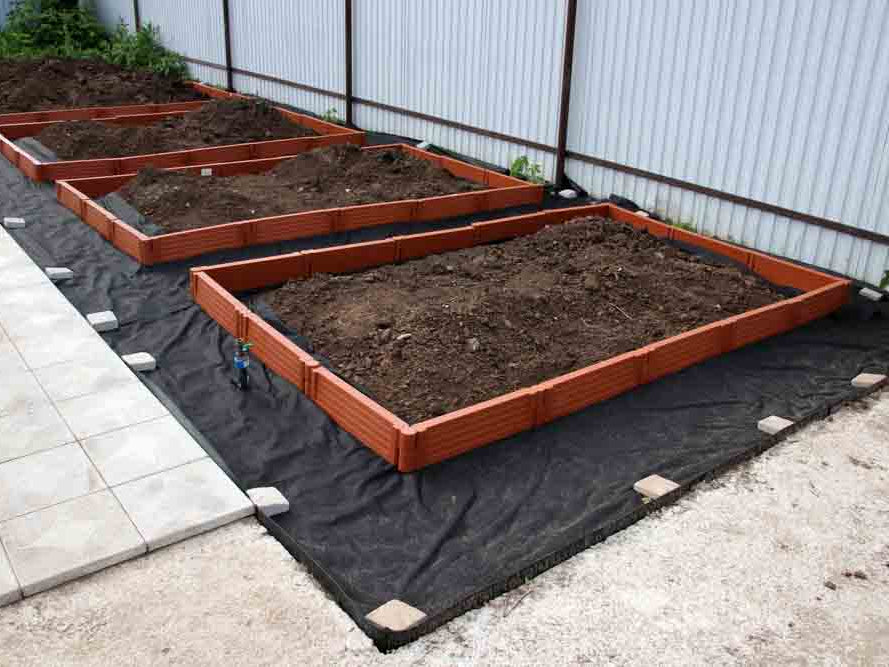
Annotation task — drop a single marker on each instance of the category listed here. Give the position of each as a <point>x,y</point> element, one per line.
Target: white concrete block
<point>568,193</point>
<point>269,500</point>
<point>177,504</point>
<point>33,482</point>
<point>396,615</point>
<point>69,540</point>
<point>773,424</point>
<point>103,321</point>
<point>140,361</point>
<point>13,223</point>
<point>58,274</point>
<point>424,145</point>
<point>9,585</point>
<point>644,214</point>
<point>655,486</point>
<point>871,294</point>
<point>142,450</point>
<point>206,171</point>
<point>867,380</point>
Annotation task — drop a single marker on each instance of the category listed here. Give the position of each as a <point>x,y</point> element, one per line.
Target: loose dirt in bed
<point>441,333</point>
<point>39,85</point>
<point>342,175</point>
<point>218,123</point>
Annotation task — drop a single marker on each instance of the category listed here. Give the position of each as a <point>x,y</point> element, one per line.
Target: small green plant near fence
<point>331,116</point>
<point>884,283</point>
<point>529,171</point>
<point>63,29</point>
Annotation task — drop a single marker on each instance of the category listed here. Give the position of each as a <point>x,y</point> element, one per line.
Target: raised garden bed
<point>55,89</point>
<point>498,192</point>
<point>150,115</point>
<point>219,122</point>
<point>413,446</point>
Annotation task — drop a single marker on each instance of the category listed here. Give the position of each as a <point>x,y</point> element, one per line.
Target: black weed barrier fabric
<point>451,536</point>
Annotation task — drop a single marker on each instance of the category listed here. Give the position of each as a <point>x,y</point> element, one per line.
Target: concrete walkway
<point>783,560</point>
<point>93,468</point>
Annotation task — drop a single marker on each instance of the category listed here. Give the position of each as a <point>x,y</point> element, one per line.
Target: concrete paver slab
<point>20,271</point>
<point>42,323</point>
<point>57,347</point>
<point>10,359</point>
<point>99,370</point>
<point>20,392</point>
<point>9,585</point>
<point>45,478</point>
<point>32,431</point>
<point>141,450</point>
<point>69,540</point>
<point>111,409</point>
<point>179,503</point>
<point>25,302</point>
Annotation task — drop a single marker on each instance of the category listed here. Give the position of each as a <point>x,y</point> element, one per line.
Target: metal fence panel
<point>295,40</point>
<point>194,29</point>
<point>5,6</point>
<point>493,64</point>
<point>783,102</point>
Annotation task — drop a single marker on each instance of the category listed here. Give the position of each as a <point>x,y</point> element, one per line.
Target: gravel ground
<point>785,559</point>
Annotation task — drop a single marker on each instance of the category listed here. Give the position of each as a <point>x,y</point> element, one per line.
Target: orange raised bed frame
<point>410,447</point>
<point>76,195</point>
<point>36,170</point>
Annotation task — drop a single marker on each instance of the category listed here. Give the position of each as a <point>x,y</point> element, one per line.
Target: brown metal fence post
<point>567,64</point>
<point>348,39</point>
<point>228,46</point>
<point>136,18</point>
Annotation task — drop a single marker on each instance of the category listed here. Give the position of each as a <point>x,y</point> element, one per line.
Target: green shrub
<point>143,50</point>
<point>884,283</point>
<point>59,28</point>
<point>62,29</point>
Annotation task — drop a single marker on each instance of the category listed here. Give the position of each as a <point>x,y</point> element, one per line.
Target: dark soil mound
<point>328,177</point>
<point>218,123</point>
<point>441,333</point>
<point>39,85</point>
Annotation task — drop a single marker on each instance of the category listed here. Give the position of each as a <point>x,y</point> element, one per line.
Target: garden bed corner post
<point>227,32</point>
<point>348,57</point>
<point>564,104</point>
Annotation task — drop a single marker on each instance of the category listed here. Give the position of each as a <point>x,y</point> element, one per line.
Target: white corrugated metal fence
<point>783,103</point>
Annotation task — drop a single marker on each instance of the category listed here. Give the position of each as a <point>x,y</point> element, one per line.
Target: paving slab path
<point>94,470</point>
